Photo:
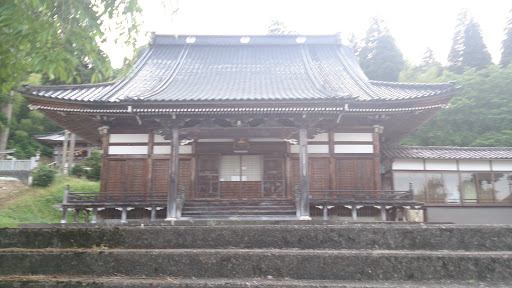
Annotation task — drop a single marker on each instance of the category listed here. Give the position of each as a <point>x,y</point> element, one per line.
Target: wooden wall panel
<point>230,190</point>
<point>354,174</point>
<point>160,175</point>
<point>135,172</point>
<point>319,173</point>
<point>251,189</point>
<point>114,181</point>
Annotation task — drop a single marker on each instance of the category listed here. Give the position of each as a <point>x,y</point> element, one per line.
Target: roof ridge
<point>251,39</point>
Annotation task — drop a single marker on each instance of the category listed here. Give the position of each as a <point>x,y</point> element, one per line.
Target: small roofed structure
<point>56,140</point>
<point>242,119</point>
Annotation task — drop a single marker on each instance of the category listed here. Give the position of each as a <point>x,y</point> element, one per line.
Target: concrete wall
<point>470,215</point>
<point>23,176</point>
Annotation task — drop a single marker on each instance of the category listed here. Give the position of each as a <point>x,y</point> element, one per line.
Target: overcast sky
<point>415,25</point>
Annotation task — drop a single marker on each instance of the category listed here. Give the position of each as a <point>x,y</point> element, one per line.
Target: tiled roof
<point>444,152</point>
<point>222,68</point>
<point>54,137</point>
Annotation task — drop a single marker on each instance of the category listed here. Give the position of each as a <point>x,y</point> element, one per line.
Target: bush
<point>43,175</point>
<point>93,162</point>
<point>78,171</point>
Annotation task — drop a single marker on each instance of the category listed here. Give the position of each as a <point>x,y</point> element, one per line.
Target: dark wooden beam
<point>304,174</point>
<point>173,177</point>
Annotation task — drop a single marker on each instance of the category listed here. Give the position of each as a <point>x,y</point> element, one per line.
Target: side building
<point>465,185</point>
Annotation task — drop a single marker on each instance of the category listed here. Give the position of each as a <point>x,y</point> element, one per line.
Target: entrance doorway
<point>240,177</point>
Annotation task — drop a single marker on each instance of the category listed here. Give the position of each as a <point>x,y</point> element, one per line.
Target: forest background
<point>59,44</point>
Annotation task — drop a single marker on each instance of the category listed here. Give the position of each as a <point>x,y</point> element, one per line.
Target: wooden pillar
<point>332,163</point>
<point>172,194</point>
<point>304,174</point>
<point>149,164</point>
<point>64,153</point>
<point>71,153</point>
<point>376,158</point>
<point>104,147</point>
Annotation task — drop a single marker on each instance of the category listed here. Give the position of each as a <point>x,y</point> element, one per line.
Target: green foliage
<point>43,176</point>
<point>468,48</point>
<point>78,170</point>
<point>506,54</point>
<point>35,204</point>
<point>427,72</point>
<point>59,38</point>
<point>93,162</point>
<point>380,58</point>
<point>480,114</point>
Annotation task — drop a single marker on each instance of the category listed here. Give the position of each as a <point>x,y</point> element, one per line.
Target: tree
<point>427,72</point>
<point>428,57</point>
<point>93,162</point>
<point>506,52</point>
<point>379,57</point>
<point>468,47</point>
<point>480,114</point>
<point>279,28</point>
<point>56,37</point>
<point>59,40</point>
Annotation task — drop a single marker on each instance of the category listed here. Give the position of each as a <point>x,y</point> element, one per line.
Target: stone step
<point>166,282</point>
<point>239,203</point>
<point>353,265</point>
<point>260,208</point>
<point>236,217</point>
<point>240,212</point>
<point>294,234</point>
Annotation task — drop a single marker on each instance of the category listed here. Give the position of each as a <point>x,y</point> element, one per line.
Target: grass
<point>35,204</point>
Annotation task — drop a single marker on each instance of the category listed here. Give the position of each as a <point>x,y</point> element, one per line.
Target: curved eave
<point>334,100</point>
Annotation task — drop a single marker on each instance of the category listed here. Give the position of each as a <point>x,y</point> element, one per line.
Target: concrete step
<point>240,209</point>
<point>240,212</point>
<point>201,234</point>
<point>236,217</point>
<point>165,282</point>
<point>260,263</point>
<point>239,203</point>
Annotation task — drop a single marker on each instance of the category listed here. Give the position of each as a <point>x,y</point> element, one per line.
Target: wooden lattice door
<point>273,180</point>
<point>208,180</point>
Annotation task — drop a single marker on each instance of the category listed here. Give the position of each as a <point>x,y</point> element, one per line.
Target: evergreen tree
<point>279,28</point>
<point>428,57</point>
<point>379,57</point>
<point>506,54</point>
<point>427,72</point>
<point>468,47</point>
<point>354,43</point>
